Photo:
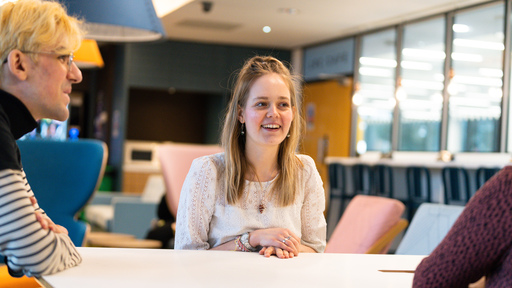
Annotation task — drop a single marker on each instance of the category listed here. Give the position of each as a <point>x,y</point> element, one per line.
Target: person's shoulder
<point>496,191</point>
<point>307,163</point>
<point>217,160</point>
<point>306,160</point>
<point>8,147</point>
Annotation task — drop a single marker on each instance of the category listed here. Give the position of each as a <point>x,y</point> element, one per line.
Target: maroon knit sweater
<point>479,243</point>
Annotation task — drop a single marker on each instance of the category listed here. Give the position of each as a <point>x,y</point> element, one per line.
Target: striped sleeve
<point>30,193</point>
<point>27,247</point>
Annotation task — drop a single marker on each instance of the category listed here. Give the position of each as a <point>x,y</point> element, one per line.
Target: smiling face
<point>268,112</point>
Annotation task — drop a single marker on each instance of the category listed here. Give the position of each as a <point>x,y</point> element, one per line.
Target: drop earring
<point>243,132</point>
<point>288,136</point>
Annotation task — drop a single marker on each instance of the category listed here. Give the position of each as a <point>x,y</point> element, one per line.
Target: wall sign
<point>330,60</point>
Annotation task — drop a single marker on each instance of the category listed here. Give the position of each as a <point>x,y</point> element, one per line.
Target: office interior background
<point>419,83</point>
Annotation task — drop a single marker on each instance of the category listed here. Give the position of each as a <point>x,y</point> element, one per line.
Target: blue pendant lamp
<point>118,20</point>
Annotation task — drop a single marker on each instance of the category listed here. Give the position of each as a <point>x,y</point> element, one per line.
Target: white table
<point>115,267</point>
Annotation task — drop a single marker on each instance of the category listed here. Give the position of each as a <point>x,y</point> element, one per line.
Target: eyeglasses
<point>64,58</point>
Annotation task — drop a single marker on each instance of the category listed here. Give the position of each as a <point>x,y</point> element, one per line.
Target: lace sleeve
<point>312,214</point>
<point>196,206</point>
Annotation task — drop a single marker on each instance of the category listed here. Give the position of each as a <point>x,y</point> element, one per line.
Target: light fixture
<point>467,57</point>
<point>480,81</point>
<point>489,45</point>
<point>379,62</point>
<point>118,20</point>
<point>376,72</point>
<point>416,65</point>
<point>422,84</point>
<point>460,28</point>
<point>88,55</point>
<point>424,53</point>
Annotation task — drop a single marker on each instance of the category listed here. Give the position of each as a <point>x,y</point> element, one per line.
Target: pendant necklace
<point>262,207</point>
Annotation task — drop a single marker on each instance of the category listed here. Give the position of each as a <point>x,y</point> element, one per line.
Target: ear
<point>17,63</point>
<point>241,114</point>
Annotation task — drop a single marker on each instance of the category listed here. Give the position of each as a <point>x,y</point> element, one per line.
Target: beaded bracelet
<point>240,246</point>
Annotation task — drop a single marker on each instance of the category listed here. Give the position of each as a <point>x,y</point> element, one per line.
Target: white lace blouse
<point>205,220</point>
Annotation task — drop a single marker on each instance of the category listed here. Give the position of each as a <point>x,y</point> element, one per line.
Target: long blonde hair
<point>285,187</point>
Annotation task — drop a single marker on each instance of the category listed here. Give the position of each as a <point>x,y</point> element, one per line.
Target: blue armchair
<point>64,176</point>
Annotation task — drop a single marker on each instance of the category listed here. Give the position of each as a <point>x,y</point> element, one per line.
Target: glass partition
<point>420,94</point>
<point>375,93</point>
<point>475,87</point>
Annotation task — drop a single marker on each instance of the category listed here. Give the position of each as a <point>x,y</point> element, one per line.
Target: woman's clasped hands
<point>276,241</point>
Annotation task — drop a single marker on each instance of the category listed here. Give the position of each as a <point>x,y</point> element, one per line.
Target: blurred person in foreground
<point>478,245</point>
<point>37,40</point>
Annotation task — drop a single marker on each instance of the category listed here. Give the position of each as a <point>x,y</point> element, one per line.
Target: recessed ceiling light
<point>267,29</point>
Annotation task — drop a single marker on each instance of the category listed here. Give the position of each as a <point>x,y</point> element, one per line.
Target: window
<point>420,94</point>
<point>475,88</point>
<point>375,94</point>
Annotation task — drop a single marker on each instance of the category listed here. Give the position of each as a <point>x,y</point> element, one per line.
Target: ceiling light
<point>424,54</point>
<point>490,72</point>
<point>415,65</point>
<point>460,28</point>
<point>479,44</point>
<point>482,81</point>
<point>377,72</point>
<point>467,57</point>
<point>380,62</point>
<point>267,29</point>
<point>423,84</point>
<point>437,97</point>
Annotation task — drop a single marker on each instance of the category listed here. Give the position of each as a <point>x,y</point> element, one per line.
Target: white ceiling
<point>240,22</point>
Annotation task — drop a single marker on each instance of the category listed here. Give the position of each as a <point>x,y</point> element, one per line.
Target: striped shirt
<point>28,248</point>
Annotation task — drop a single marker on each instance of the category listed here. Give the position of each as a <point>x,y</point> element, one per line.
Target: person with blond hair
<point>38,39</point>
<point>258,195</point>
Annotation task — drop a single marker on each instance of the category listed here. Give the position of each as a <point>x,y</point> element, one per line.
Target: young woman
<point>258,195</point>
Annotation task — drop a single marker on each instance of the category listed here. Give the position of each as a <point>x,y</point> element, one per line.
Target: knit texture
<point>479,243</point>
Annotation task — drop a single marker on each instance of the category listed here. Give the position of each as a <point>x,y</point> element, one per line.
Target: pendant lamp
<point>88,55</point>
<point>118,20</point>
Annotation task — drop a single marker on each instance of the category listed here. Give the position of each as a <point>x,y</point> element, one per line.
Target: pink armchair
<point>368,225</point>
<point>175,160</point>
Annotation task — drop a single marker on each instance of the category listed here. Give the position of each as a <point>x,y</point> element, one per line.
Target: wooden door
<point>327,110</point>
